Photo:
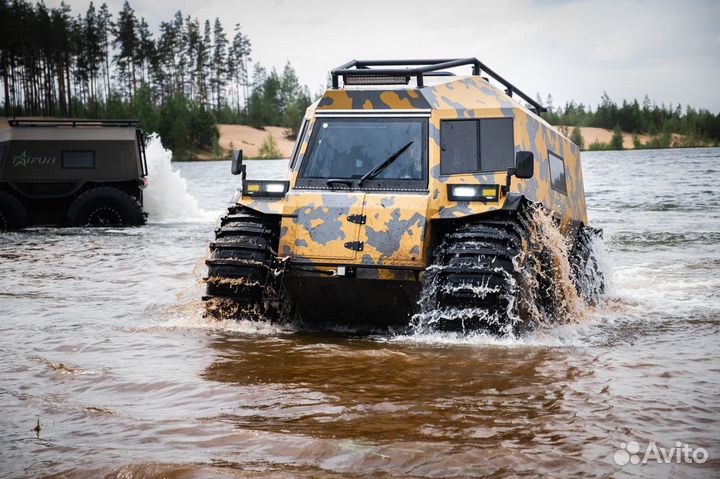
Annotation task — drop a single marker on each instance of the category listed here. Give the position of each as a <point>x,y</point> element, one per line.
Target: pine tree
<point>237,66</point>
<point>219,62</point>
<point>202,64</point>
<point>577,138</point>
<point>126,40</point>
<point>192,44</point>
<point>616,142</point>
<point>104,24</point>
<point>145,50</point>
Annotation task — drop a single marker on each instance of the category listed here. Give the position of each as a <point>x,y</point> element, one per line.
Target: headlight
<point>483,193</point>
<point>265,188</point>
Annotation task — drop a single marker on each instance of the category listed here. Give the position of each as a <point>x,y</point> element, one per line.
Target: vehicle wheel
<point>473,283</point>
<point>13,214</point>
<point>105,206</point>
<point>242,282</point>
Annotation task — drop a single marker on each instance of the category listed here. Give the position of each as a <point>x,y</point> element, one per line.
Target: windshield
<point>349,148</point>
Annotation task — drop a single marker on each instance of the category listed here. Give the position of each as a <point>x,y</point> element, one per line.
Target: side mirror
<point>236,167</point>
<point>524,164</point>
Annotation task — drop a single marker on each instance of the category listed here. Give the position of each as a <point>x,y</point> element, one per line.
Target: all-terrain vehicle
<point>406,201</point>
<point>71,172</point>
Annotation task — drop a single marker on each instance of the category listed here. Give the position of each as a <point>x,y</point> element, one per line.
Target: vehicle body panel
<point>398,223</point>
<point>315,225</point>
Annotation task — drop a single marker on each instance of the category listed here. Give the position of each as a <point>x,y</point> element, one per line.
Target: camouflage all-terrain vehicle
<point>411,193</point>
<point>72,173</point>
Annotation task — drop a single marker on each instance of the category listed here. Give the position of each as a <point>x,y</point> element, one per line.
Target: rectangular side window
<point>298,144</point>
<point>78,159</point>
<point>459,147</point>
<point>497,145</point>
<point>471,146</point>
<point>557,173</point>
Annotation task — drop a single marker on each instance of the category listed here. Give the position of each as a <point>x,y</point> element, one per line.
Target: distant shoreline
<point>250,139</point>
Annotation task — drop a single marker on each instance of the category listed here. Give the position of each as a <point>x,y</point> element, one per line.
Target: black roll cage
<point>419,69</point>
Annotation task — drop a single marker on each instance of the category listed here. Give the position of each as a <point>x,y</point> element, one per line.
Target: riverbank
<point>600,138</point>
<point>250,140</point>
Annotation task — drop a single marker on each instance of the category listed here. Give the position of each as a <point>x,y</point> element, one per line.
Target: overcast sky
<point>572,49</point>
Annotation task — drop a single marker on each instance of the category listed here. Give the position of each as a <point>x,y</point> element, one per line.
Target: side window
<point>298,144</point>
<point>459,151</point>
<point>471,146</point>
<point>557,173</point>
<point>497,145</point>
<point>78,159</point>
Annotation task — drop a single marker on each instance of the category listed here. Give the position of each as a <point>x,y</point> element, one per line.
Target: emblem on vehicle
<point>25,160</point>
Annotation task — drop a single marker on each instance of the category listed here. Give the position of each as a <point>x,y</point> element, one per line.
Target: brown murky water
<point>102,340</point>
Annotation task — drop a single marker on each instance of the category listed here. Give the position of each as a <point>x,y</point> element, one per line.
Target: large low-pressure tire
<point>13,214</point>
<point>243,280</point>
<point>473,283</point>
<point>105,206</point>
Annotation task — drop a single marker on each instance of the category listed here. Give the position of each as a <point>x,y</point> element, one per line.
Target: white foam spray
<point>560,322</point>
<point>166,198</point>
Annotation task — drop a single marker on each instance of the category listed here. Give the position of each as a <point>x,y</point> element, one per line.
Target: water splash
<point>553,294</point>
<point>544,293</point>
<point>166,198</point>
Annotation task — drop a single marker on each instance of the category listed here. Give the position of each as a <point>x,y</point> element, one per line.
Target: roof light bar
<point>376,79</point>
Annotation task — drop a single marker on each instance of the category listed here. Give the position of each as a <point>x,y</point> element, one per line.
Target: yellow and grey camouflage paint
<point>315,226</point>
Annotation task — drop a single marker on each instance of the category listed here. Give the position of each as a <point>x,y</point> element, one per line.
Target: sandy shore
<point>249,139</point>
<point>593,134</point>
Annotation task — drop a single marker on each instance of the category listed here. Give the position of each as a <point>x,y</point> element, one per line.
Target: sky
<point>571,49</point>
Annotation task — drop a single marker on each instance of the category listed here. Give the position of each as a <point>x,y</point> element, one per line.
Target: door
<point>324,225</point>
<point>394,228</point>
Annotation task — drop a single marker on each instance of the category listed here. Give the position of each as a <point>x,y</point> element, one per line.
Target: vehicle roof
<point>69,133</point>
<point>460,94</point>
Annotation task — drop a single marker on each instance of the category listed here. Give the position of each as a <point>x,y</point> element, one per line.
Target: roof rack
<point>359,72</point>
<point>46,122</point>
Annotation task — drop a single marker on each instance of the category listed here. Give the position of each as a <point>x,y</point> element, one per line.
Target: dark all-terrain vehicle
<point>71,173</point>
<point>413,196</point>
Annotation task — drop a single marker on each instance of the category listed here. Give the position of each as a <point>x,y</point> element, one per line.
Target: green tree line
<point>179,81</point>
<point>699,126</point>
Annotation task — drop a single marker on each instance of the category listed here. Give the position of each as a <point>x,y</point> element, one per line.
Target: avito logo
<point>680,454</point>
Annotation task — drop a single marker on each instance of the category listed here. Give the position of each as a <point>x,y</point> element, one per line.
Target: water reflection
<point>405,402</point>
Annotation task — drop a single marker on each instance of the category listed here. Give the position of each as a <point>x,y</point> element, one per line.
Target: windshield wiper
<point>379,168</point>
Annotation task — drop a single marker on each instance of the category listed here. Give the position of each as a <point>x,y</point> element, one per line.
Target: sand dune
<point>592,134</point>
<point>249,139</point>
<point>603,135</point>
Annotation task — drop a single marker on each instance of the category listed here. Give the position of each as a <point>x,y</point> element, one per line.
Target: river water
<point>102,340</point>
